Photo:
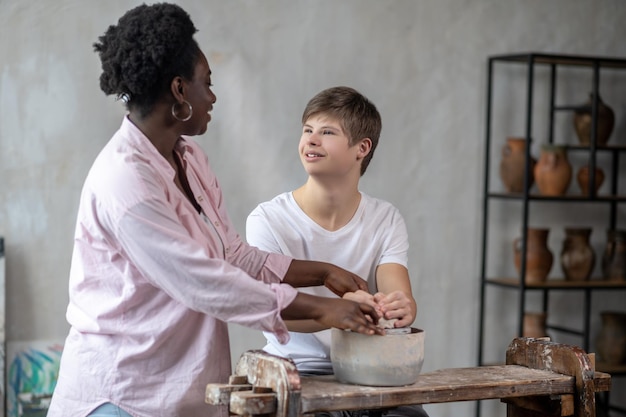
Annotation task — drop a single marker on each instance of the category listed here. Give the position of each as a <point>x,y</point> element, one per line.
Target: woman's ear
<point>177,88</point>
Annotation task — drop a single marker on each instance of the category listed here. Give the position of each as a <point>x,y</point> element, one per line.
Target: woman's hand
<point>311,273</point>
<point>396,305</point>
<point>340,281</point>
<point>334,312</point>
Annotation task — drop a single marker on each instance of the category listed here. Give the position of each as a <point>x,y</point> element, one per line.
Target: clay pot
<point>583,179</point>
<point>535,325</point>
<point>577,256</point>
<point>388,360</point>
<point>614,258</point>
<point>513,164</point>
<point>553,171</point>
<point>538,257</point>
<point>611,341</point>
<point>605,122</point>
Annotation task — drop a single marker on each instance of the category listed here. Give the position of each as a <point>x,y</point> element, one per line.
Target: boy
<point>329,219</point>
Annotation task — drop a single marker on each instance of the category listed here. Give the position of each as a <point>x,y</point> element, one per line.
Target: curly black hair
<point>142,54</point>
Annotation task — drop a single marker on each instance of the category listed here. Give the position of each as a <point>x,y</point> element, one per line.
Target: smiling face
<point>325,148</point>
<point>201,97</point>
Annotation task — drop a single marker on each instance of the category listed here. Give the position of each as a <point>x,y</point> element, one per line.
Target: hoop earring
<point>174,112</point>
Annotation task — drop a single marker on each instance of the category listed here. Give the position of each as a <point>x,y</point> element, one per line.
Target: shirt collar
<point>140,141</point>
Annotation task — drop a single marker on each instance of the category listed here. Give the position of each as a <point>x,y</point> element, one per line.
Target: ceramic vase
<point>513,164</point>
<point>535,325</point>
<point>583,179</point>
<point>539,258</point>
<point>614,257</point>
<point>605,122</point>
<point>553,171</point>
<point>611,341</point>
<point>577,256</point>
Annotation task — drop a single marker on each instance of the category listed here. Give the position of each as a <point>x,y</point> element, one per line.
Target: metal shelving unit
<point>527,199</point>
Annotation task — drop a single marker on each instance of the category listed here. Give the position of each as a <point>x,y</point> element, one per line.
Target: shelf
<point>605,148</point>
<point>559,284</point>
<point>562,59</point>
<point>608,157</point>
<point>568,197</point>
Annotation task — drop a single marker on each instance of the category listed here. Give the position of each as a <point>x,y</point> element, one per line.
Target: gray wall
<point>422,62</point>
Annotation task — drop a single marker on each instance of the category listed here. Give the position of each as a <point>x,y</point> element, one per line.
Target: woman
<point>157,267</point>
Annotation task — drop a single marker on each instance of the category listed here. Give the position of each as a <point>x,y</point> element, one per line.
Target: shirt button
<point>217,224</point>
<point>227,250</point>
<point>199,198</point>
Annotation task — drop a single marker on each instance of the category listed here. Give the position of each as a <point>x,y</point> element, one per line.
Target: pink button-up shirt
<point>153,283</point>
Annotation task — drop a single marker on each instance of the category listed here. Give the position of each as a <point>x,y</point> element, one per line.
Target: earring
<point>125,97</point>
<point>175,113</point>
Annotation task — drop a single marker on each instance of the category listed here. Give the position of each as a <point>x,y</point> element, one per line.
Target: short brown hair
<point>358,116</point>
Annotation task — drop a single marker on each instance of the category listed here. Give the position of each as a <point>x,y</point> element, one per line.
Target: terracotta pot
<point>614,258</point>
<point>605,122</point>
<point>513,164</point>
<point>583,179</point>
<point>538,257</point>
<point>577,256</point>
<point>553,172</point>
<point>611,341</point>
<point>535,325</point>
<point>389,360</point>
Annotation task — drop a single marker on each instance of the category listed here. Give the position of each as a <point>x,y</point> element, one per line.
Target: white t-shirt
<point>375,235</point>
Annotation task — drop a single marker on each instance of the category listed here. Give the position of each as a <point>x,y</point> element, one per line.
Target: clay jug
<point>553,171</point>
<point>577,256</point>
<point>583,179</point>
<point>513,164</point>
<point>538,257</point>
<point>614,258</point>
<point>605,122</point>
<point>611,341</point>
<point>535,325</point>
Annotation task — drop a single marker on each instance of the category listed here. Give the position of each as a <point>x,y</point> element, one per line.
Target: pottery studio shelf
<point>534,74</point>
<point>579,198</point>
<point>559,284</point>
<point>561,60</point>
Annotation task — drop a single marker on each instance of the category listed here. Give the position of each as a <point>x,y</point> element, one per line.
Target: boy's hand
<point>395,305</point>
<point>363,297</point>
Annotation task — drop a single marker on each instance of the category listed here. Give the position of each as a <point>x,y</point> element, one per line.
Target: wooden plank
<point>602,381</point>
<point>277,388</point>
<point>445,385</point>
<point>248,403</point>
<point>219,394</point>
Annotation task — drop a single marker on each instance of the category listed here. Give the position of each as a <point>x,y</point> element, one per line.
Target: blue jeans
<point>109,410</point>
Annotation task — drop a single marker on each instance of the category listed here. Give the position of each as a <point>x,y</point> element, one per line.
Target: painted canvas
<point>32,372</point>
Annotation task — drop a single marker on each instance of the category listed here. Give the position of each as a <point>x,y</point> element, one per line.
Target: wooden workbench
<point>540,378</point>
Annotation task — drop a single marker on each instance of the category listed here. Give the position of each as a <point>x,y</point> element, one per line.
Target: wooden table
<point>540,378</point>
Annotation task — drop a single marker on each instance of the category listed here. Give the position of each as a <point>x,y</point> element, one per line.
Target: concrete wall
<point>422,62</point>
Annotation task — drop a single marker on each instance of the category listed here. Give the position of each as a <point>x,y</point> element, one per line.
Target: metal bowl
<point>389,360</point>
